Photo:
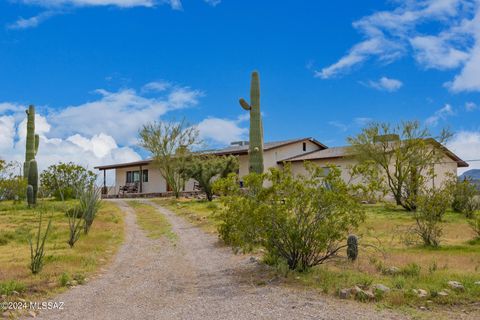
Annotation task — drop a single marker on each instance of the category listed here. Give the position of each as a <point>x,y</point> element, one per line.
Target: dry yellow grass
<point>90,253</point>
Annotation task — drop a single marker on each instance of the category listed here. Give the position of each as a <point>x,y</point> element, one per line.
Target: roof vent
<point>239,143</point>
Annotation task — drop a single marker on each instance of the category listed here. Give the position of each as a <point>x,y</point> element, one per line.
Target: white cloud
<point>440,114</point>
<point>31,22</point>
<point>470,106</point>
<point>362,121</point>
<point>221,131</point>
<point>56,7</point>
<point>454,42</point>
<point>466,144</point>
<point>120,114</point>
<point>213,3</point>
<point>156,86</point>
<point>88,3</point>
<point>339,125</point>
<point>105,130</point>
<point>385,84</point>
<point>7,132</point>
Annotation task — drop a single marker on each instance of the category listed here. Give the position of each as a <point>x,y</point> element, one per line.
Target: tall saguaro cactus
<point>256,128</point>
<point>30,169</point>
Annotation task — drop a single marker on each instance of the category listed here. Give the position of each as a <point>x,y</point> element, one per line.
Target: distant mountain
<point>473,174</point>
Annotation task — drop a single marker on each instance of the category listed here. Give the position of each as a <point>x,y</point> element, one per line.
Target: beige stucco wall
<point>443,170</point>
<point>156,182</point>
<point>271,157</point>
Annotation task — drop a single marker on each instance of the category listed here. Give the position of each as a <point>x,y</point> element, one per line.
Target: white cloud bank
<point>390,35</point>
<point>466,144</point>
<point>103,131</point>
<point>56,7</point>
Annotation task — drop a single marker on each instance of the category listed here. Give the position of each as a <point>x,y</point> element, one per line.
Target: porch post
<point>105,178</point>
<point>141,179</point>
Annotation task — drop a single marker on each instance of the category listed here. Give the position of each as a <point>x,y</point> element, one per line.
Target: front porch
<point>184,194</point>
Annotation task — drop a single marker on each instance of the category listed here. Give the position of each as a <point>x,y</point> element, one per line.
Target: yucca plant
<point>37,251</point>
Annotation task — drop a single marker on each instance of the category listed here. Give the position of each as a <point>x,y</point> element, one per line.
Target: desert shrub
<point>299,219</point>
<point>7,288</point>
<point>75,225</point>
<point>432,205</point>
<point>62,180</point>
<point>37,251</point>
<point>90,201</point>
<point>464,198</point>
<point>12,183</point>
<point>64,279</point>
<point>410,270</point>
<point>475,225</point>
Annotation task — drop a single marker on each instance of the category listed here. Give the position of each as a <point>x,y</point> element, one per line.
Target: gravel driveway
<point>192,278</point>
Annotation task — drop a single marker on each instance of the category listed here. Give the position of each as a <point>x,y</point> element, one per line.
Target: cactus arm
<point>30,196</point>
<point>244,104</point>
<point>37,142</point>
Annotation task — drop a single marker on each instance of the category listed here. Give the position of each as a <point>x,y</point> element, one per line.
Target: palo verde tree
<point>205,167</point>
<point>404,154</point>
<point>170,145</point>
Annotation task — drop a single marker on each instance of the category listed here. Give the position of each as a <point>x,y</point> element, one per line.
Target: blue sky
<point>98,69</point>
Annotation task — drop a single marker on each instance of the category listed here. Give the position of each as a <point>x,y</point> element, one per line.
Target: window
<point>304,146</point>
<point>145,175</point>
<point>133,176</point>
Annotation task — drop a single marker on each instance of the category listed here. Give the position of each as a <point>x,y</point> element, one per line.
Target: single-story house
<point>142,178</point>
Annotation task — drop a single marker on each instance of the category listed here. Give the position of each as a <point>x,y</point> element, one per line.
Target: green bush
<point>300,219</point>
<point>8,287</point>
<point>64,279</point>
<point>411,270</point>
<point>464,198</point>
<point>432,205</point>
<point>62,180</point>
<point>475,225</point>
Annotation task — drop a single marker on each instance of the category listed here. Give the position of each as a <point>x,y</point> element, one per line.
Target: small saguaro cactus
<point>352,247</point>
<point>30,170</point>
<point>256,128</point>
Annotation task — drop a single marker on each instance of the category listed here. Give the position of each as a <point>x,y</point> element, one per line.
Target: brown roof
<point>347,151</point>
<point>330,153</point>
<point>243,149</point>
<point>230,150</point>
<point>125,165</point>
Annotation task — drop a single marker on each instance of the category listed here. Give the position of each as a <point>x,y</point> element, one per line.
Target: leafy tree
<point>12,183</point>
<point>204,168</point>
<point>404,154</point>
<point>62,180</point>
<point>465,198</point>
<point>170,144</point>
<point>432,205</point>
<point>301,220</point>
<point>367,182</point>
